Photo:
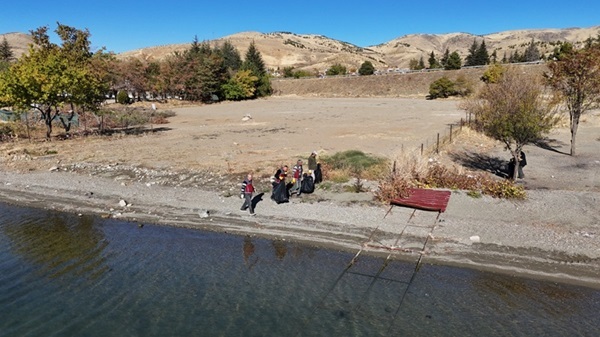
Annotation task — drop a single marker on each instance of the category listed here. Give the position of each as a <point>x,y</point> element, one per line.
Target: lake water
<point>63,275</point>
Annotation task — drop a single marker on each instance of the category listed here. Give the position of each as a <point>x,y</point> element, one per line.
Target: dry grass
<point>411,170</point>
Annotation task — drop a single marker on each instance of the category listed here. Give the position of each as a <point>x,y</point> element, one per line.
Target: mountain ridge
<point>315,52</point>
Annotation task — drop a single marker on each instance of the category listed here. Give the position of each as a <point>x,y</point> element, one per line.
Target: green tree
<point>513,111</point>
<point>433,62</point>
<point>413,64</point>
<point>563,50</point>
<point>366,68</point>
<point>494,57</point>
<point>54,78</point>
<point>336,69</point>
<point>421,63</point>
<point>471,59</point>
<point>6,53</point>
<point>575,77</point>
<point>445,58</point>
<point>231,57</point>
<point>198,73</point>
<point>454,61</point>
<point>241,86</point>
<point>532,53</point>
<point>481,56</point>
<point>254,62</point>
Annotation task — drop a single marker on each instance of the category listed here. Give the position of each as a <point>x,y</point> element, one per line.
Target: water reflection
<point>60,244</point>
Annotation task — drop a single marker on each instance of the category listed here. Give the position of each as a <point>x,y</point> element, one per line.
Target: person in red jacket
<point>246,194</point>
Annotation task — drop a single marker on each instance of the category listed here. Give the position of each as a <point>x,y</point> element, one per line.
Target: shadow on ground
<point>551,145</point>
<point>478,161</point>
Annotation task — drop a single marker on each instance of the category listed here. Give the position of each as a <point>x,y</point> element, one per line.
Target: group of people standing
<point>300,182</point>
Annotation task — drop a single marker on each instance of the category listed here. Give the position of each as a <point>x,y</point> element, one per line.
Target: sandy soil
<point>176,174</point>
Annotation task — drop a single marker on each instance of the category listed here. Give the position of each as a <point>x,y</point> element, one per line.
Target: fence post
<point>421,149</point>
<point>437,145</point>
<point>450,133</point>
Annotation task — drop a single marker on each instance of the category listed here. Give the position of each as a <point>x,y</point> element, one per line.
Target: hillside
<point>19,42</point>
<point>318,53</point>
<point>398,52</point>
<point>389,85</point>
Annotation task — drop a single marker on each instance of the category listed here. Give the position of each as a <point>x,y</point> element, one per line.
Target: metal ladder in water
<point>377,276</point>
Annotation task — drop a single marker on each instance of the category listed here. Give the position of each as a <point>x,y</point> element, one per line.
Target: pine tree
<point>445,58</point>
<point>433,63</point>
<point>494,57</point>
<point>6,53</point>
<point>231,56</point>
<point>532,53</point>
<point>421,63</point>
<point>471,57</point>
<point>481,56</point>
<point>254,61</point>
<point>454,61</point>
<point>256,65</point>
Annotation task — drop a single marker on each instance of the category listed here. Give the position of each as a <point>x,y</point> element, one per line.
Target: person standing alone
<point>246,194</point>
<point>312,164</point>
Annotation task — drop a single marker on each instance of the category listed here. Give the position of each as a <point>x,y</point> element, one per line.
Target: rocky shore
<point>552,235</point>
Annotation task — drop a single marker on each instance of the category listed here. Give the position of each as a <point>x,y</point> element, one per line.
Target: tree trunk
<point>574,126</point>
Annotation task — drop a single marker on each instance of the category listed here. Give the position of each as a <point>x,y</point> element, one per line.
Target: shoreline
<point>531,238</point>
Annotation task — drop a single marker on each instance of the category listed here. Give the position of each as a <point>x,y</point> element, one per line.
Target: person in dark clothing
<point>246,194</point>
<point>522,163</point>
<point>280,192</point>
<point>318,174</point>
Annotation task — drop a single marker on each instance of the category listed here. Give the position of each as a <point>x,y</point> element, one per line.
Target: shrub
<point>336,69</point>
<point>396,184</point>
<point>352,160</point>
<point>442,87</point>
<point>366,68</point>
<point>123,97</point>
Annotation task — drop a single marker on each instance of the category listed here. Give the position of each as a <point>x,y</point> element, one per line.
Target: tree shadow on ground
<point>550,145</point>
<point>134,130</point>
<point>478,161</point>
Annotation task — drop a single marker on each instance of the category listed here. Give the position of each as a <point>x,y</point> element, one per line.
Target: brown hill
<point>19,42</point>
<point>398,52</point>
<point>317,52</point>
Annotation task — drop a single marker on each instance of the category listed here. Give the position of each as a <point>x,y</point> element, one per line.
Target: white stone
<point>475,238</point>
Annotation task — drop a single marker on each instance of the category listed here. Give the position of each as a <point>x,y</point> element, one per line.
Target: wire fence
<point>436,142</point>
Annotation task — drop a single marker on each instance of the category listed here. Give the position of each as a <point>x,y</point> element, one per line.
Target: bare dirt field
<point>180,171</point>
<point>280,130</point>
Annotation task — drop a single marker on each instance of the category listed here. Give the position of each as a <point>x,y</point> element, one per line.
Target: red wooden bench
<point>424,199</point>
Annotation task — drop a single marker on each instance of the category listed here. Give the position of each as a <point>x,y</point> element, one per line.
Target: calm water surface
<point>63,275</point>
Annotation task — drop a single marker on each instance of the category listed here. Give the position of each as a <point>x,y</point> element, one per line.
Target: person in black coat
<point>522,163</point>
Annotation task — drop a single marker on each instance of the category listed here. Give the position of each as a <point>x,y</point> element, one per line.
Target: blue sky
<point>125,25</point>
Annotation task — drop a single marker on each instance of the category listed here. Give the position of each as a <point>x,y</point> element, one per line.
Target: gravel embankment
<point>532,237</point>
